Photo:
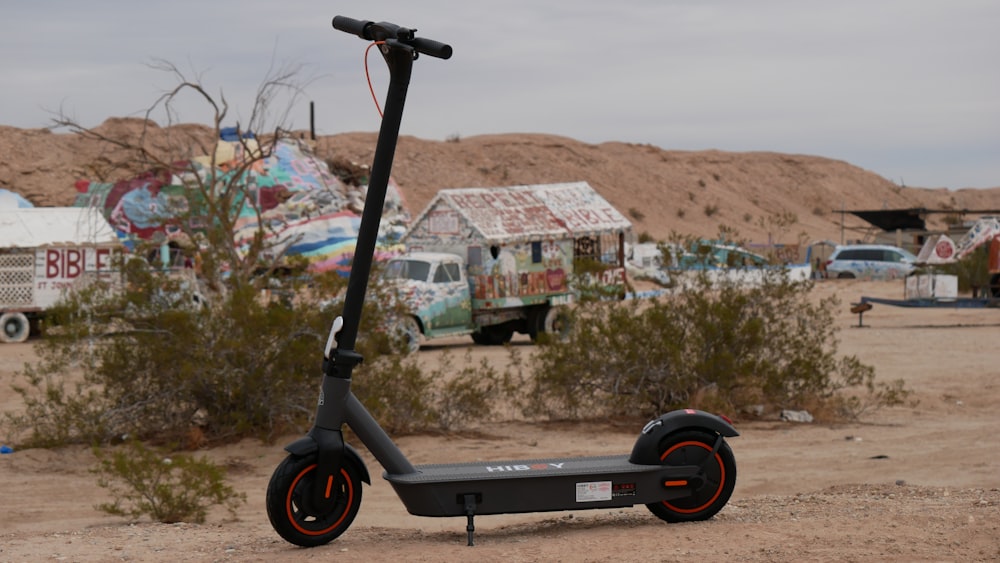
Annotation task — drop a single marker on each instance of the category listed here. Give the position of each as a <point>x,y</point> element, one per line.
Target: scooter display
<point>680,467</point>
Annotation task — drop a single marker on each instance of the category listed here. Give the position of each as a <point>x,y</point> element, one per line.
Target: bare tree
<point>213,187</point>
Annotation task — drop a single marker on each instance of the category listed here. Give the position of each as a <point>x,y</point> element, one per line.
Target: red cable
<point>369,77</point>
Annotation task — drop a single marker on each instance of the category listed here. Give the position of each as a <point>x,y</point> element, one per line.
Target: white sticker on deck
<point>592,492</point>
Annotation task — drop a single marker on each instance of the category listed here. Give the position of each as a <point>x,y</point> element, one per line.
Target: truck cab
<point>435,288</point>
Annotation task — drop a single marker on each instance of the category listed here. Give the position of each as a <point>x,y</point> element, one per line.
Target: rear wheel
<point>554,321</point>
<point>286,507</point>
<point>493,335</point>
<point>557,322</point>
<point>714,485</point>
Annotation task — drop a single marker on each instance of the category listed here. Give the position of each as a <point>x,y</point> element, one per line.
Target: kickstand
<point>470,513</point>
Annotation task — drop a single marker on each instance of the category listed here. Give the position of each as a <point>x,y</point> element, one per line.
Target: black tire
<point>407,329</point>
<point>497,335</point>
<point>692,447</point>
<point>557,322</point>
<point>845,276</point>
<point>291,480</point>
<point>14,327</point>
<point>535,323</point>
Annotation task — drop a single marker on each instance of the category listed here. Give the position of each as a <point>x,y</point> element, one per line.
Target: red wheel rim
<point>348,487</point>
<point>722,476</point>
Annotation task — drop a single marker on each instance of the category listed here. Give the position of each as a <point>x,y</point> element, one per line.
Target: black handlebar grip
<point>352,26</point>
<point>385,31</point>
<point>431,47</point>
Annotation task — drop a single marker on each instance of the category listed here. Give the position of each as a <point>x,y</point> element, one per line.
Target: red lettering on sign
<point>74,263</point>
<point>102,258</point>
<point>52,263</point>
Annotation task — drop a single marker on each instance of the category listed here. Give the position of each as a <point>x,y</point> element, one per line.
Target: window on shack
<point>600,248</point>
<point>475,256</point>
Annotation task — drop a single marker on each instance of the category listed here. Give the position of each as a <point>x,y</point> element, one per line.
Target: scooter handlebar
<point>390,32</point>
<point>352,26</point>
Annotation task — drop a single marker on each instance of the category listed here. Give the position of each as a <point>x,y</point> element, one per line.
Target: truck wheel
<point>557,322</point>
<point>536,322</point>
<point>549,320</point>
<point>493,335</point>
<point>408,331</point>
<point>14,327</point>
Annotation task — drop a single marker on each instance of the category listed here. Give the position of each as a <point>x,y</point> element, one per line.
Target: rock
<point>796,416</point>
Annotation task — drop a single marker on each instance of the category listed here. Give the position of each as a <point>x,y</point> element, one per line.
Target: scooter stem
<point>400,62</point>
<point>399,48</point>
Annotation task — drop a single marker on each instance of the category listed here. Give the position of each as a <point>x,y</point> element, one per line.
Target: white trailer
<point>43,252</point>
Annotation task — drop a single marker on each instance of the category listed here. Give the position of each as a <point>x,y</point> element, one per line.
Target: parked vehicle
<point>45,251</point>
<point>720,261</point>
<point>870,261</point>
<point>490,262</point>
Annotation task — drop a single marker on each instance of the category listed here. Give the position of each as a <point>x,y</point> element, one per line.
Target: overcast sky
<point>909,89</point>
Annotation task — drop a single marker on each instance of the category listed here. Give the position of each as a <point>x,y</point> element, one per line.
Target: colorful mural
<point>304,209</point>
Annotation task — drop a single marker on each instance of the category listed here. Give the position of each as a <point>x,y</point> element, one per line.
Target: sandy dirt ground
<point>913,483</point>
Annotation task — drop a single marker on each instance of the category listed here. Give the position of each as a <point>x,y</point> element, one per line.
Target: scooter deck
<point>539,485</point>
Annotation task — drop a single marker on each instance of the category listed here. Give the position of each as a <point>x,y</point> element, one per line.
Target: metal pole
<point>841,222</point>
<point>312,120</point>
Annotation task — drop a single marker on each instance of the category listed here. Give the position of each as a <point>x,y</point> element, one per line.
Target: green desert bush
<point>167,488</point>
<point>240,366</point>
<point>721,346</point>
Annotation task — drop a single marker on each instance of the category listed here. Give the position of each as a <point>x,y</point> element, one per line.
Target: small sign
<point>593,491</point>
<point>442,223</point>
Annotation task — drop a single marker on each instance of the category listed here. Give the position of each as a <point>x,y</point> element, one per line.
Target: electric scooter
<point>681,466</point>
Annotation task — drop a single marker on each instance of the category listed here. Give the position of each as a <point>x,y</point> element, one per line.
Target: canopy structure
<point>911,218</point>
<point>893,219</point>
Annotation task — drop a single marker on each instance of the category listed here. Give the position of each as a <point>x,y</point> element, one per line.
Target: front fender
<point>646,449</point>
<point>306,445</point>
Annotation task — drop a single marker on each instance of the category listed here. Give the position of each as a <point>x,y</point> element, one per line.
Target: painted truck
<point>43,252</point>
<point>491,262</point>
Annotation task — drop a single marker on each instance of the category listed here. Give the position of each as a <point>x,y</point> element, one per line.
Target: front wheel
<point>14,327</point>
<point>286,507</point>
<point>407,330</point>
<point>714,485</point>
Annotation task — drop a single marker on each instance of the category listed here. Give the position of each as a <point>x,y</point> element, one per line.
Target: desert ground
<point>919,482</point>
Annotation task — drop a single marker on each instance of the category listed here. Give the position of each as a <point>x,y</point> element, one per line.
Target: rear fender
<point>306,445</point>
<point>646,449</point>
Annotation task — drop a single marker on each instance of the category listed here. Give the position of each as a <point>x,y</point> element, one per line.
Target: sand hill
<point>662,191</point>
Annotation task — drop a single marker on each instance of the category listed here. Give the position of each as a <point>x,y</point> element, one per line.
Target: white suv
<point>870,261</point>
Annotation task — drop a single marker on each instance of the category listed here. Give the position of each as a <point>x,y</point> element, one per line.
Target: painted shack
<point>516,248</point>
